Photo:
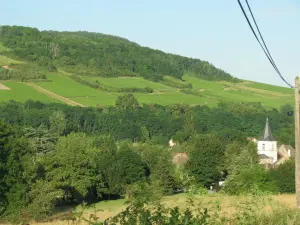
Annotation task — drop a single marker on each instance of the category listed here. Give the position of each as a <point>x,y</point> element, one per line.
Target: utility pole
<point>297,140</point>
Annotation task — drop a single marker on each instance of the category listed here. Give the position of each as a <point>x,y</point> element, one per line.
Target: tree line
<point>97,54</point>
<point>52,154</point>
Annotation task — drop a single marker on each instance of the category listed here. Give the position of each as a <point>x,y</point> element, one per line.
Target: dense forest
<point>53,154</point>
<point>96,54</point>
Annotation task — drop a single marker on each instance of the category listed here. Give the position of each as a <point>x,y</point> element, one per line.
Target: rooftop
<point>267,134</point>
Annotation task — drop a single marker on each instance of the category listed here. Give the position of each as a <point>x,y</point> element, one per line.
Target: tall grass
<point>256,209</point>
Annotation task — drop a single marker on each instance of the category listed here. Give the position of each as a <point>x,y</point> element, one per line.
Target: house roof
<point>286,148</point>
<point>263,156</point>
<point>267,133</point>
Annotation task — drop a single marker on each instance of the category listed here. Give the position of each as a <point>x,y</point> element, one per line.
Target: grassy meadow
<point>130,82</point>
<point>77,92</point>
<point>217,204</point>
<point>21,92</point>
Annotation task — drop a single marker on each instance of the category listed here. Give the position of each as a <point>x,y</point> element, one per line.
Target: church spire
<point>267,134</point>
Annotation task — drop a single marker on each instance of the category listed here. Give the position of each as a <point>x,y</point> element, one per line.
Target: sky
<point>211,30</point>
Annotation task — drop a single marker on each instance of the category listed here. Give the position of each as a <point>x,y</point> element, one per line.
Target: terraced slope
<point>61,88</point>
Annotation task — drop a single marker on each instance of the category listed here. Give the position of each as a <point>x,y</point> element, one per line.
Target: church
<point>268,153</point>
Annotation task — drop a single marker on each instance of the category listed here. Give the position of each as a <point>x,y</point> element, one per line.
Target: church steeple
<point>267,134</point>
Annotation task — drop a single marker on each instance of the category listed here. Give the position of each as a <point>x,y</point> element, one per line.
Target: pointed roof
<point>267,134</point>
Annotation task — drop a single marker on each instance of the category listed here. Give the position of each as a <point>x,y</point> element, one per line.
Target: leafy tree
<point>284,176</point>
<point>250,180</point>
<point>160,168</point>
<point>71,168</point>
<point>127,102</point>
<point>14,183</point>
<point>41,139</point>
<point>41,200</point>
<point>57,122</point>
<point>206,159</point>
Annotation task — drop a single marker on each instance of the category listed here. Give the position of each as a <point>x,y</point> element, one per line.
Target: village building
<point>268,153</point>
<point>180,158</point>
<point>253,139</point>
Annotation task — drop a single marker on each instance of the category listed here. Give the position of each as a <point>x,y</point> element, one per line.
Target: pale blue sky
<point>212,30</point>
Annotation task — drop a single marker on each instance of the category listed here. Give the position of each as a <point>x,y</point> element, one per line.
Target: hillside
<point>99,55</point>
<point>93,69</point>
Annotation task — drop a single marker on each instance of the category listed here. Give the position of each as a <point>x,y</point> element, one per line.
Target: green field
<point>21,92</point>
<point>69,88</point>
<point>203,92</point>
<point>270,96</point>
<point>271,88</point>
<point>174,98</point>
<point>130,82</point>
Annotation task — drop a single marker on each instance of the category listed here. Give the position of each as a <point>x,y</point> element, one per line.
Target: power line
<point>266,51</point>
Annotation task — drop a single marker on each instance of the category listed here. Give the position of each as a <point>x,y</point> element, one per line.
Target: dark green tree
<point>127,102</point>
<point>284,176</point>
<point>206,159</point>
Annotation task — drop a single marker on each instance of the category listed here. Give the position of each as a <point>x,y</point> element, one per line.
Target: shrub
<point>255,178</point>
<point>284,177</point>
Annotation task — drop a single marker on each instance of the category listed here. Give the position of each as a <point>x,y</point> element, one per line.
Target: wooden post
<point>297,140</point>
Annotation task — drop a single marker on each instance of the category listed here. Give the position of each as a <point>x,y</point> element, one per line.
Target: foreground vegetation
<point>189,209</point>
<point>53,155</point>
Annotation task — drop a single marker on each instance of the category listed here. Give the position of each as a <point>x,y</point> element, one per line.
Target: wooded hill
<point>97,54</point>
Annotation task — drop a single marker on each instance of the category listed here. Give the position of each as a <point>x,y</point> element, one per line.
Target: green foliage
<point>249,180</point>
<point>127,102</point>
<point>42,199</point>
<point>100,55</point>
<point>71,168</point>
<point>206,158</point>
<point>111,152</point>
<point>159,165</point>
<point>58,123</point>
<point>239,157</point>
<point>40,138</point>
<point>284,176</point>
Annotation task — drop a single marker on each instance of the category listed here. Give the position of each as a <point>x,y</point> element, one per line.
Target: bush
<point>284,177</point>
<point>251,179</point>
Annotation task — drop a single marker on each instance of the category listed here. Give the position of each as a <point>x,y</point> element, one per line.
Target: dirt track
<point>53,95</point>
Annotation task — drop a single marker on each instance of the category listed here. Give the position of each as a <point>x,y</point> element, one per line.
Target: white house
<point>267,145</point>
